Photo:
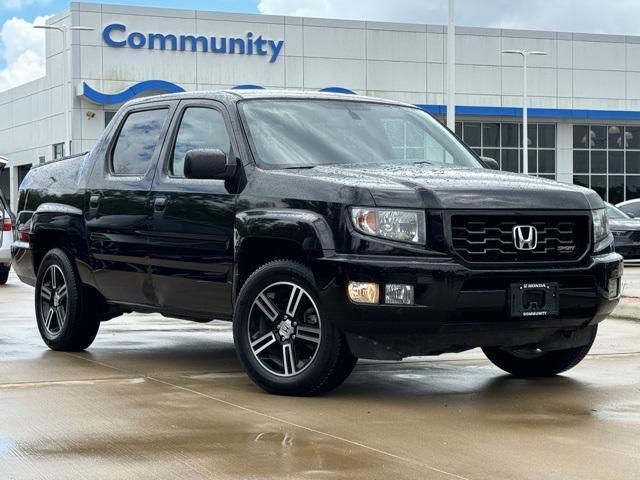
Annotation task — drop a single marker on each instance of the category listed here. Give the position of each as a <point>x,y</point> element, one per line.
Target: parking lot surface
<point>632,279</point>
<point>161,398</point>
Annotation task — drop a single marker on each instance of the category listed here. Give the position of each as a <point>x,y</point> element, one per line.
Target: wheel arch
<point>55,225</point>
<point>264,235</point>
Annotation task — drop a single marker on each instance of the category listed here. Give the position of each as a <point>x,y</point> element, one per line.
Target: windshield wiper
<point>423,162</point>
<point>297,167</point>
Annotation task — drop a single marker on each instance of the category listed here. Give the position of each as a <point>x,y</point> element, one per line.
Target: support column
<point>13,183</point>
<point>564,152</point>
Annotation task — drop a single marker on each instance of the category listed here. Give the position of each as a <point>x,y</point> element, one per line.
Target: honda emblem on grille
<point>525,237</point>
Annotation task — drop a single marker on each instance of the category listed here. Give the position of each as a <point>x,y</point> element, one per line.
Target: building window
<point>5,184</point>
<point>108,116</point>
<point>503,142</point>
<point>606,158</point>
<point>22,172</point>
<point>58,150</point>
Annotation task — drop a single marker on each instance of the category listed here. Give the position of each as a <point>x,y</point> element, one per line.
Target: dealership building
<point>584,95</point>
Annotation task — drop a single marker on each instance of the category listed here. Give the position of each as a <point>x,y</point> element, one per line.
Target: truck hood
<point>456,188</point>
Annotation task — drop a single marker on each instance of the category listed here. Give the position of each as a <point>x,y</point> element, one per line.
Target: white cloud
<point>22,48</point>
<point>598,16</point>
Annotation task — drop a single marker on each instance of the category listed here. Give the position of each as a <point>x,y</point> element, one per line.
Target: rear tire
<point>529,363</point>
<point>284,343</point>
<point>4,276</point>
<point>67,313</point>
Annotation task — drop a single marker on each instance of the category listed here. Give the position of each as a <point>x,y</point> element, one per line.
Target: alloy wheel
<point>284,329</point>
<point>53,300</point>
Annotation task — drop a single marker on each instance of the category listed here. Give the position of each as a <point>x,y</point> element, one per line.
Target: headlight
<point>400,225</point>
<point>600,224</point>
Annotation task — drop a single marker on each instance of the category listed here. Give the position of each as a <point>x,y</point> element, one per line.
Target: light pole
<point>451,69</point>
<point>525,134</point>
<point>64,29</point>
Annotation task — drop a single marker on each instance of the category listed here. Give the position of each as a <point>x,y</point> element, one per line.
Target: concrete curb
<point>627,309</point>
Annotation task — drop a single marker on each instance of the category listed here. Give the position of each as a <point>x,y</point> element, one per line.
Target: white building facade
<point>584,95</point>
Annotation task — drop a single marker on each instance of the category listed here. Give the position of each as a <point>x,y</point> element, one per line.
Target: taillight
<point>7,225</point>
<point>24,232</point>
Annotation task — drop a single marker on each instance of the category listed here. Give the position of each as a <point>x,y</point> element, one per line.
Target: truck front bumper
<point>457,308</point>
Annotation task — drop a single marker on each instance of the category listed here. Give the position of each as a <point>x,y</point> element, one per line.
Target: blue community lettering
<point>115,36</point>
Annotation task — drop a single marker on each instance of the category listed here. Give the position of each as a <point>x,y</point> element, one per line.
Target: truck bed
<point>61,181</point>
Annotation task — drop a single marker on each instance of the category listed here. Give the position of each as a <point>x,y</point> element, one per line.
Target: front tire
<point>532,363</point>
<point>4,276</point>
<point>66,312</point>
<point>284,342</point>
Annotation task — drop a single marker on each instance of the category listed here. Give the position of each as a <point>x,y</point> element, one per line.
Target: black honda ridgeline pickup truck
<point>326,227</point>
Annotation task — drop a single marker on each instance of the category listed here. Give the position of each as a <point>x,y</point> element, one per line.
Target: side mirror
<point>631,215</point>
<point>490,163</point>
<point>208,163</point>
<point>3,163</point>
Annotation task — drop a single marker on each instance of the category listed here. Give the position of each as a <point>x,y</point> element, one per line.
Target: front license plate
<point>533,299</point>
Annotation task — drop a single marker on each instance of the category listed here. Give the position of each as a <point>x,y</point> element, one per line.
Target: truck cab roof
<point>242,94</point>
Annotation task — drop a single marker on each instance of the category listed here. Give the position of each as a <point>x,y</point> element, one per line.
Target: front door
<point>119,210</point>
<point>191,240</point>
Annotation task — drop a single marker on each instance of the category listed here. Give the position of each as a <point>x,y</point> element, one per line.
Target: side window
<point>632,208</point>
<point>200,128</point>
<point>137,141</point>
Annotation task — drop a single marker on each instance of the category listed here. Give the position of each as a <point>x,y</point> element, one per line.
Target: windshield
<point>306,133</point>
<point>615,212</point>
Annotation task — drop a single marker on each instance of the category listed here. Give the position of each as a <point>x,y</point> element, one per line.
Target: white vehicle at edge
<point>6,235</point>
<point>630,207</point>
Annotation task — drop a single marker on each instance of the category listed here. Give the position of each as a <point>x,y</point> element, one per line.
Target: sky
<point>22,46</point>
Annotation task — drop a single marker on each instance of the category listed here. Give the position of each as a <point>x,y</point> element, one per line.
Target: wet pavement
<point>161,398</point>
<point>632,279</point>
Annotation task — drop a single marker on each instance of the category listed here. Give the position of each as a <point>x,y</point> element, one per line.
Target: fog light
<point>398,294</point>
<point>364,292</point>
<point>612,288</point>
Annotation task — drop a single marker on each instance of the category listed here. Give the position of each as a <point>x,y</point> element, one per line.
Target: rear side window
<point>137,141</point>
<point>632,208</point>
<point>200,128</point>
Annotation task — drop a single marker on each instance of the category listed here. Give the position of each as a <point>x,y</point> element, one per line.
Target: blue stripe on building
<point>461,110</point>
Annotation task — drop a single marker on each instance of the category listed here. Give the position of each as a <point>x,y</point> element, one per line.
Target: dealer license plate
<point>533,299</point>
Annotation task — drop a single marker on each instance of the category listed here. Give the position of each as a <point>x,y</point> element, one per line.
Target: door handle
<point>159,204</point>
<point>94,200</point>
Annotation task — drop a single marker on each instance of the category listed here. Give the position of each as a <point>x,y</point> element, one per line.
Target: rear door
<point>191,240</point>
<point>119,211</point>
